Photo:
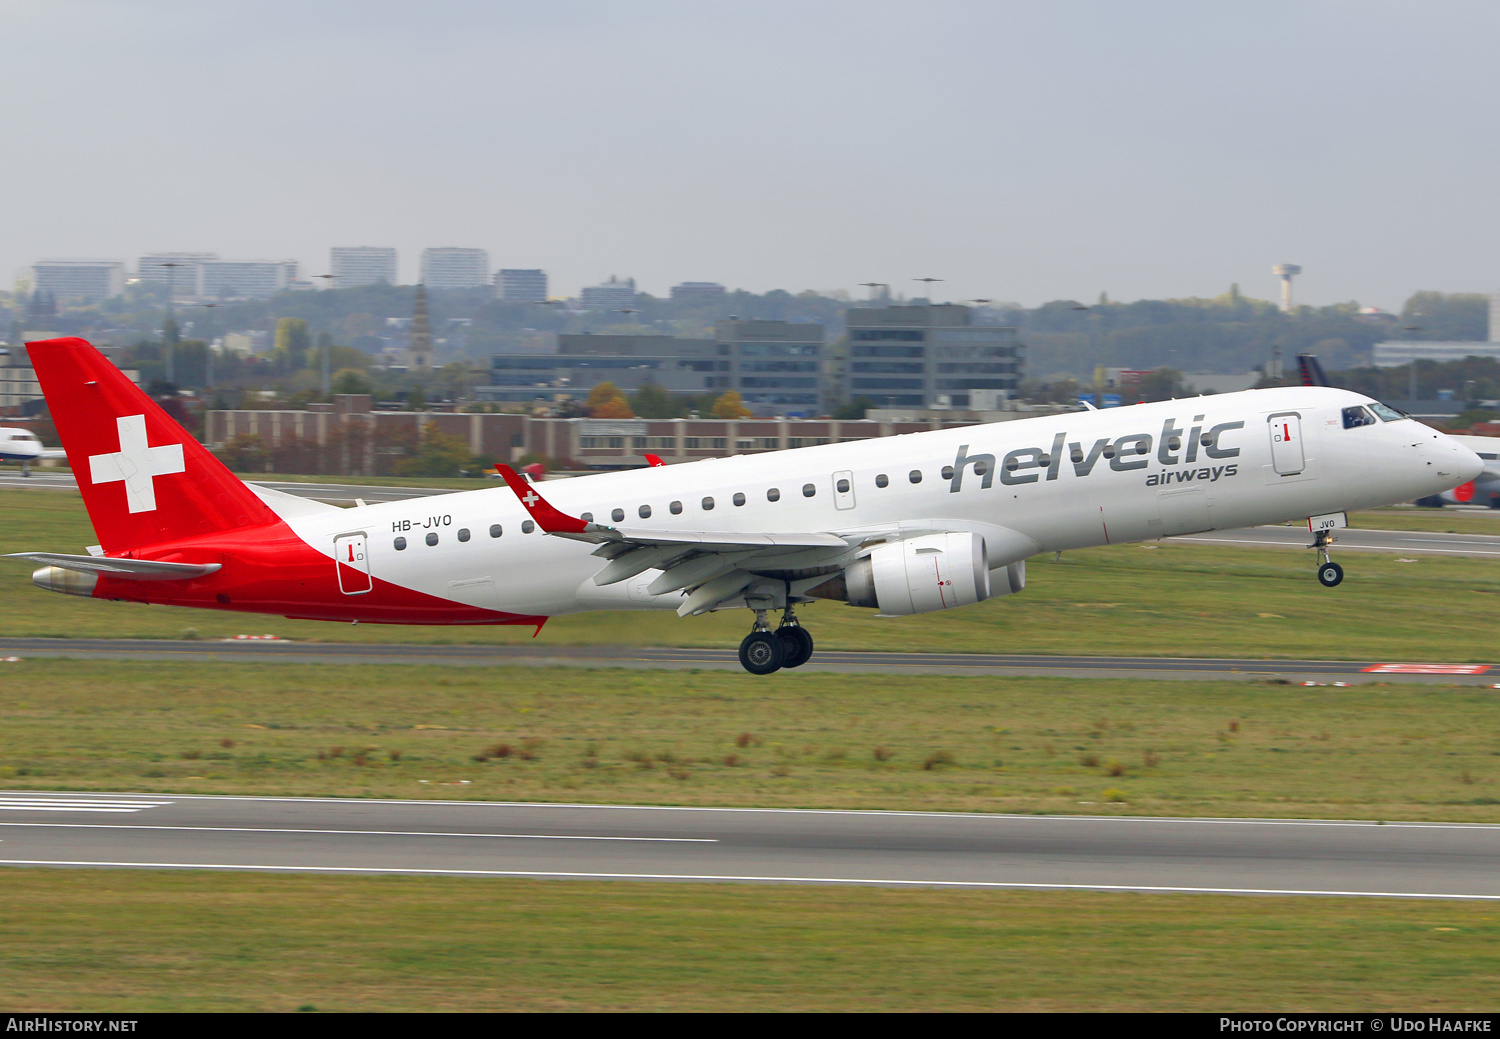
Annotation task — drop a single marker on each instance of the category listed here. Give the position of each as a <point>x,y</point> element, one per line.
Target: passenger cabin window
<point>495,530</point>
<point>527,526</point>
<point>915,476</point>
<point>400,544</point>
<point>708,504</point>
<point>882,480</point>
<point>739,498</point>
<point>587,517</point>
<point>463,533</point>
<point>675,508</point>
<point>843,486</point>
<point>947,472</point>
<point>808,490</point>
<point>644,511</point>
<point>773,494</point>
<point>618,515</point>
<point>1358,416</point>
<point>432,539</point>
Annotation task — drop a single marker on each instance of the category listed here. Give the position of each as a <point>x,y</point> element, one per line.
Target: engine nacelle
<point>923,574</point>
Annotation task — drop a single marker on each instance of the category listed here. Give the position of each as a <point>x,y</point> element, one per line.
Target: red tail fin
<point>144,479</point>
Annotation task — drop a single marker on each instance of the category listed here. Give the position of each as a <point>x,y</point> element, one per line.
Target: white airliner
<point>22,445</point>
<point>907,524</point>
<point>1484,489</point>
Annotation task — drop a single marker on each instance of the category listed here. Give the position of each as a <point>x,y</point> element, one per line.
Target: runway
<point>482,839</point>
<point>669,658</point>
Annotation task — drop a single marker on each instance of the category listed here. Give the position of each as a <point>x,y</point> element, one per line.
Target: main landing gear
<point>1330,573</point>
<point>765,651</point>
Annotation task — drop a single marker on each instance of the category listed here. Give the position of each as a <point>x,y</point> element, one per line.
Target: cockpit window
<point>1358,416</point>
<point>1386,412</point>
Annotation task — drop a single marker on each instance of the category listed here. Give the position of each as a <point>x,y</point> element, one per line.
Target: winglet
<point>549,519</point>
<point>653,460</point>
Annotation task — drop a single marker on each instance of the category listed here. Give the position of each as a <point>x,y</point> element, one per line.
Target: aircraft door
<point>352,561</point>
<point>1287,457</point>
<point>843,490</point>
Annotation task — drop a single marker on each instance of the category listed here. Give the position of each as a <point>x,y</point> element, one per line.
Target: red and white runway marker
<point>1427,669</point>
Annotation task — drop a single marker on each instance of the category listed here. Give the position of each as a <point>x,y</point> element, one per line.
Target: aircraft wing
<point>130,569</point>
<point>712,566</point>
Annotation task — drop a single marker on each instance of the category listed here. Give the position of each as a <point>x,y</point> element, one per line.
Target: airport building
<point>516,285</point>
<point>929,356</point>
<point>776,366</point>
<point>20,393</point>
<point>81,281</point>
<point>353,265</point>
<point>1398,352</point>
<point>452,268</point>
<point>355,438</point>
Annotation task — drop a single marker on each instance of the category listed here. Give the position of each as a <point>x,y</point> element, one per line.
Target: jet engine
<point>923,574</point>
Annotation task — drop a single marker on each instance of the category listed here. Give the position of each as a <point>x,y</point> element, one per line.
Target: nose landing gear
<point>1330,573</point>
<point>765,651</point>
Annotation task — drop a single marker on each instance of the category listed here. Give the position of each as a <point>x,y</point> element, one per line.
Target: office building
<point>613,294</point>
<point>777,366</point>
<point>244,279</point>
<point>451,268</point>
<point>929,356</point>
<point>353,265</point>
<point>78,281</point>
<point>515,285</point>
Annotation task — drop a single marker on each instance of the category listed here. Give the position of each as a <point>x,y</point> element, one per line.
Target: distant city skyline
<point>1020,151</point>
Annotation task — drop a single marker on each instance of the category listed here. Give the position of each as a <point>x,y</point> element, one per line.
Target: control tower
<point>1285,271</point>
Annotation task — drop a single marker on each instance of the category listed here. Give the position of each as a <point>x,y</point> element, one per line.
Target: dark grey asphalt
<point>679,659</point>
<point>747,845</point>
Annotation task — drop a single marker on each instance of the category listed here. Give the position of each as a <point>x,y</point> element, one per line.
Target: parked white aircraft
<point>909,524</point>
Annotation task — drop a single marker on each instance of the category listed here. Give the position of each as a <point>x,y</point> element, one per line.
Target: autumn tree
<point>731,405</point>
<point>606,401</point>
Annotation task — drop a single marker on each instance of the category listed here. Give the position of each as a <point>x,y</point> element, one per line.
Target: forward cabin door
<point>352,561</point>
<point>1287,456</point>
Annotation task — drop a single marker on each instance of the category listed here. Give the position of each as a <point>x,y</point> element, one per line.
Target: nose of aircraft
<point>1455,461</point>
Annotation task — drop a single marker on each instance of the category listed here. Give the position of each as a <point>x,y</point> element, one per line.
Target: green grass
<point>1156,599</point>
<point>126,941</point>
<point>720,738</point>
<point>1444,521</point>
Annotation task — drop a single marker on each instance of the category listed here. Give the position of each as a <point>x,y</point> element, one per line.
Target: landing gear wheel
<point>798,644</point>
<point>1330,574</point>
<point>762,652</point>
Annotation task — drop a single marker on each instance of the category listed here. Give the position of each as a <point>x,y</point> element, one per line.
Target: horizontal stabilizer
<point>128,569</point>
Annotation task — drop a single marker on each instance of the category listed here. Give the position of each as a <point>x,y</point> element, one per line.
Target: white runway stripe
<point>44,804</point>
<point>362,833</point>
<point>725,878</point>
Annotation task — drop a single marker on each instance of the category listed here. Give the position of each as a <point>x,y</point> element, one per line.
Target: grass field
<point>1155,599</point>
<point>142,941</point>
<point>794,740</point>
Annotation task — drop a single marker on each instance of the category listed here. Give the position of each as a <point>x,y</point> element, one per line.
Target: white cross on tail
<point>531,498</point>
<point>136,464</point>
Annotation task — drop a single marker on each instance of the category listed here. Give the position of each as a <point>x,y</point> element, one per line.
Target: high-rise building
<point>613,294</point>
<point>244,279</point>
<point>84,281</point>
<point>353,265</point>
<point>697,290</point>
<point>521,286</point>
<point>930,356</point>
<point>449,268</point>
<point>180,270</point>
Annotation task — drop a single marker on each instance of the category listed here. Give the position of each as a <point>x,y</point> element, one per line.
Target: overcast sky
<point>1021,151</point>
